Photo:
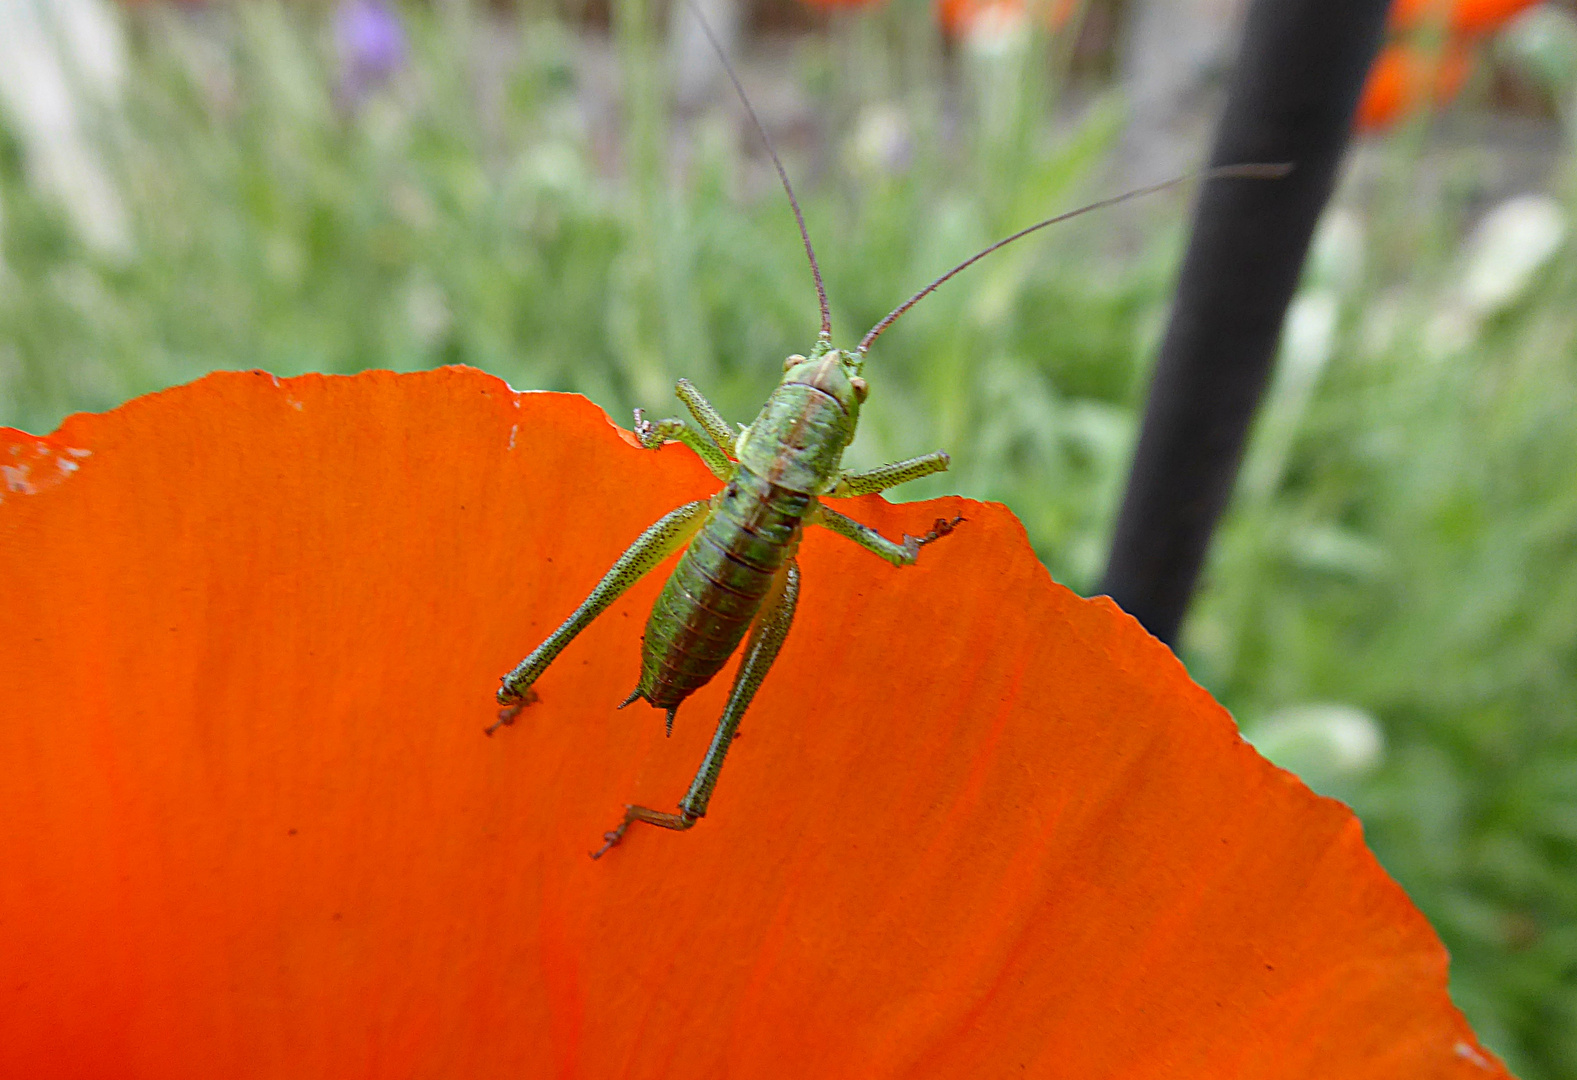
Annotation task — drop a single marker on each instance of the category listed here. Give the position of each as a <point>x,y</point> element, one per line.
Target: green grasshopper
<point>738,573</point>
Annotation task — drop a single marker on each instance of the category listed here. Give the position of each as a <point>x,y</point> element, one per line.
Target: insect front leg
<point>706,415</point>
<point>904,554</point>
<point>883,477</point>
<point>766,638</point>
<point>671,532</point>
<point>714,449</point>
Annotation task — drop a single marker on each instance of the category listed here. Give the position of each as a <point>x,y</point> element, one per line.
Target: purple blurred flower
<point>371,45</point>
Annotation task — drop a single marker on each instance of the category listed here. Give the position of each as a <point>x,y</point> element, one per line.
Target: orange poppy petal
<point>976,826</point>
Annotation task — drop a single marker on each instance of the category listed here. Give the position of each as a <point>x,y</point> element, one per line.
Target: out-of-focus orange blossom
<point>958,18</point>
<point>1407,77</point>
<point>1418,70</point>
<point>1460,18</point>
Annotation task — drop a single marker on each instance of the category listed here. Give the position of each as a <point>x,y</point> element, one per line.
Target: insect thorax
<point>798,440</point>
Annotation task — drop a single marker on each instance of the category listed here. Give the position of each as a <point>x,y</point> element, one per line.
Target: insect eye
<point>792,360</point>
<point>860,389</point>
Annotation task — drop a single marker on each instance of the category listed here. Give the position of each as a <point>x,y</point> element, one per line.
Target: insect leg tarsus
<point>662,539</point>
<point>508,713</point>
<point>632,814</point>
<point>766,638</point>
<point>942,527</point>
<point>653,434</point>
<point>891,475</point>
<point>899,554</point>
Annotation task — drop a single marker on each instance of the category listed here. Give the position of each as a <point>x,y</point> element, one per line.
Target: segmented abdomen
<point>718,586</point>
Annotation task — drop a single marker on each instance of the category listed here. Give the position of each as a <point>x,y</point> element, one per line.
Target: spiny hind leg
<point>766,638</point>
<point>671,532</point>
<point>904,554</point>
<point>890,475</point>
<point>714,449</point>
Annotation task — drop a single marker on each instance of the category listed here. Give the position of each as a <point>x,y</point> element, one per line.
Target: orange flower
<point>1462,18</point>
<point>976,826</point>
<point>956,17</point>
<point>1406,78</point>
<point>1410,74</point>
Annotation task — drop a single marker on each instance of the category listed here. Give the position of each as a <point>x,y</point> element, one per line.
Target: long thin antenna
<point>810,252</point>
<point>1220,172</point>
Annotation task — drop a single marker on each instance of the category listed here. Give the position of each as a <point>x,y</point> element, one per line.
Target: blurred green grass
<point>1391,607</point>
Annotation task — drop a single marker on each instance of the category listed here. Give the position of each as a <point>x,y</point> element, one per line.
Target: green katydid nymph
<point>738,573</point>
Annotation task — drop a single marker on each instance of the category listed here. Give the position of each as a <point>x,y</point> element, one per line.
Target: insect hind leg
<point>766,638</point>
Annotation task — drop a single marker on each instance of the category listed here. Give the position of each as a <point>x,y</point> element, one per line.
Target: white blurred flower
<point>1309,335</point>
<point>1322,743</point>
<point>62,63</point>
<point>1541,44</point>
<point>1508,248</point>
<point>1308,339</point>
<point>1498,263</point>
<point>1336,255</point>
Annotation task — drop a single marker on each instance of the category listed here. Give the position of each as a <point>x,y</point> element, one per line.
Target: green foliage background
<point>1391,608</point>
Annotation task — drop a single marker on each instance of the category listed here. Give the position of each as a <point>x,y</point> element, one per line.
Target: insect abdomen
<point>718,586</point>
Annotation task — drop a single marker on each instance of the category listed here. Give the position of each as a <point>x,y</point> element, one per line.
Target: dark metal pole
<point>1291,99</point>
